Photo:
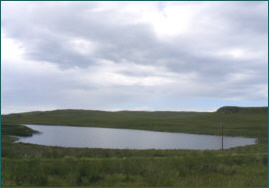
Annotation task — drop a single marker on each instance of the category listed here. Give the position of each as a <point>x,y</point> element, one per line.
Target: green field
<point>34,165</point>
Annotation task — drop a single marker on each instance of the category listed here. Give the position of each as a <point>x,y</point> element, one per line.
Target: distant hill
<point>235,109</point>
<point>82,113</point>
<point>95,117</point>
<point>75,112</point>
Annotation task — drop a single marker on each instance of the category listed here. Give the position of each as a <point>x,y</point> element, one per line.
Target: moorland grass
<point>191,169</point>
<point>34,165</point>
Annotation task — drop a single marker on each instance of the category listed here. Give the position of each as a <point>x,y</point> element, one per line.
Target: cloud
<point>120,55</point>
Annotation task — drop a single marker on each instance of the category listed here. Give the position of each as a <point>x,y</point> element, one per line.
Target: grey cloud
<point>135,43</point>
<point>44,30</point>
<point>249,17</point>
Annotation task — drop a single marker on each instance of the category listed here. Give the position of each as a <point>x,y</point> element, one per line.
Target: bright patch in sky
<point>10,50</point>
<point>172,20</point>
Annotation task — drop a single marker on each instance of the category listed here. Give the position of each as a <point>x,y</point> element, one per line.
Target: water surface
<point>90,137</point>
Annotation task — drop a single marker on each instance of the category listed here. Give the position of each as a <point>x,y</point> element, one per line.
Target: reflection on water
<point>89,137</point>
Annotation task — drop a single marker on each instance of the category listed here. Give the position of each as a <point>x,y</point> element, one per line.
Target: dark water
<point>88,137</point>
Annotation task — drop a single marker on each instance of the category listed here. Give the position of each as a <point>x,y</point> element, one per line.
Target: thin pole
<point>221,136</point>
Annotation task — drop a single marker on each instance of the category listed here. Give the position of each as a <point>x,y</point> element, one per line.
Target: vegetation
<point>34,165</point>
<point>16,130</point>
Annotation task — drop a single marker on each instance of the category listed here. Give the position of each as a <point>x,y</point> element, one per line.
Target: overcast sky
<point>176,56</point>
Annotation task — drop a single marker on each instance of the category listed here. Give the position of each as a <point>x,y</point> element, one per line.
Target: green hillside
<point>250,122</point>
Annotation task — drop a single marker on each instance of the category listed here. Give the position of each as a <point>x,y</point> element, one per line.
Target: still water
<point>89,137</point>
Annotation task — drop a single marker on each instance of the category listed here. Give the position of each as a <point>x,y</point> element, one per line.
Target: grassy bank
<point>34,165</point>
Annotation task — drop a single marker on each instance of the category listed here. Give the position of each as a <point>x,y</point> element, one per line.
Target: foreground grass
<point>34,165</point>
<point>201,170</point>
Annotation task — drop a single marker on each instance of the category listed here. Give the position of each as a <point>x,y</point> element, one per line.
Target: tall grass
<point>205,170</point>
